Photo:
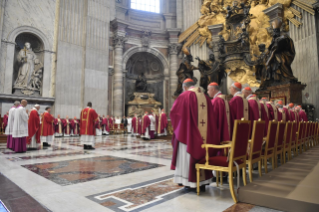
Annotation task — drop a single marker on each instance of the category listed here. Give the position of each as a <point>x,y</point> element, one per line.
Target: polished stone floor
<point>124,173</point>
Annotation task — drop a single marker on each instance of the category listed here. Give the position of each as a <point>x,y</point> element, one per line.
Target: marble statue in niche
<point>28,68</point>
<point>141,83</point>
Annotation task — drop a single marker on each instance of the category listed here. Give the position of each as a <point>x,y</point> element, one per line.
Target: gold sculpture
<point>215,11</point>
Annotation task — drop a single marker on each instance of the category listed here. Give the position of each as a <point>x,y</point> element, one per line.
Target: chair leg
<point>244,176</point>
<point>273,162</point>
<point>259,168</point>
<point>217,178</point>
<point>231,186</point>
<point>197,173</point>
<point>281,158</point>
<point>250,171</point>
<point>265,164</point>
<point>221,178</point>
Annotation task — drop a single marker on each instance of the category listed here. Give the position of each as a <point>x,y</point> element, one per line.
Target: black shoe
<point>45,144</point>
<point>90,148</point>
<point>85,146</point>
<point>203,188</point>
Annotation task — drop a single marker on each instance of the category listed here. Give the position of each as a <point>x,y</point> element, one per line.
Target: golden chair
<point>300,137</point>
<point>308,136</point>
<point>269,151</point>
<point>311,139</point>
<point>316,136</point>
<point>287,145</point>
<point>279,147</point>
<point>255,148</point>
<point>238,150</point>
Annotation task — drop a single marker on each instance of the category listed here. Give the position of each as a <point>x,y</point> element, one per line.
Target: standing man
<point>5,121</point>
<point>67,126</point>
<point>98,130</point>
<point>124,122</point>
<point>194,124</point>
<point>221,111</point>
<point>152,126</point>
<point>58,127</point>
<point>33,139</point>
<point>75,127</point>
<point>47,121</point>
<point>238,104</point>
<point>20,128</point>
<point>135,125</point>
<point>302,113</point>
<point>162,124</point>
<point>9,128</point>
<point>254,107</point>
<point>88,119</point>
<point>146,122</point>
<point>105,126</point>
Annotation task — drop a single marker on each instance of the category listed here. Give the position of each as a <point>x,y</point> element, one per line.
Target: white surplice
<point>9,127</point>
<point>20,124</point>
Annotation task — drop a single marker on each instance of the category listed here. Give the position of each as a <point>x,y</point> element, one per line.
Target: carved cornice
<point>119,41</point>
<point>8,42</point>
<point>316,6</point>
<point>174,48</point>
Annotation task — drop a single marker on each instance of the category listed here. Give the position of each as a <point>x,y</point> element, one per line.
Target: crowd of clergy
<point>198,118</point>
<point>26,130</point>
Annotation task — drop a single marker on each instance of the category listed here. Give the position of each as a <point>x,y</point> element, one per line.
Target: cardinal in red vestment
<point>194,124</point>
<point>67,126</point>
<point>105,126</point>
<point>146,122</point>
<point>58,126</point>
<point>272,111</point>
<point>135,125</point>
<point>140,131</point>
<point>302,114</point>
<point>47,120</point>
<point>294,116</point>
<point>88,119</point>
<point>5,121</point>
<point>238,104</point>
<point>33,139</point>
<point>75,127</point>
<point>162,124</point>
<point>264,114</point>
<point>221,111</point>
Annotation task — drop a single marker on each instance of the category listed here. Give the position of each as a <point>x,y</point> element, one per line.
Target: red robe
<point>280,115</point>
<point>87,119</point>
<point>146,122</point>
<point>272,112</point>
<point>75,126</point>
<point>57,127</point>
<point>222,116</point>
<point>286,111</point>
<point>105,124</point>
<point>254,111</point>
<point>47,124</point>
<point>303,115</point>
<point>184,117</point>
<point>67,129</point>
<point>265,116</point>
<point>140,126</point>
<point>33,126</point>
<point>135,125</point>
<point>294,117</point>
<point>162,123</point>
<point>238,109</point>
<point>4,122</point>
<point>110,123</point>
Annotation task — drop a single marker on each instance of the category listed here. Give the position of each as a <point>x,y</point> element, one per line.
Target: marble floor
<point>124,173</point>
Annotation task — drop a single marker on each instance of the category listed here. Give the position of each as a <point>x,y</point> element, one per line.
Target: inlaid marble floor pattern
<point>124,173</point>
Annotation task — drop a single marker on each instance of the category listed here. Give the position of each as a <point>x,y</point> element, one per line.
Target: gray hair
<point>215,86</point>
<point>16,103</point>
<point>188,84</point>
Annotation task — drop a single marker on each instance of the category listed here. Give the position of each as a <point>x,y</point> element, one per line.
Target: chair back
<point>122,126</point>
<point>271,137</point>
<point>240,141</point>
<point>294,131</point>
<point>305,130</point>
<point>300,130</point>
<point>257,139</point>
<point>288,133</point>
<point>280,133</point>
<point>314,129</point>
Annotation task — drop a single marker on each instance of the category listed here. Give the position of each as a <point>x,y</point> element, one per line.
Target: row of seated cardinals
<point>245,104</point>
<point>73,124</point>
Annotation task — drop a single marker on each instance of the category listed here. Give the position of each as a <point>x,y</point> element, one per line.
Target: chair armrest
<point>216,146</point>
<point>225,142</point>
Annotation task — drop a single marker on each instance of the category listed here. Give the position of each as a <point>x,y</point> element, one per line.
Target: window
<point>146,5</point>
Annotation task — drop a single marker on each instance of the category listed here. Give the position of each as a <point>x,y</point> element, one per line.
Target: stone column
<point>8,77</point>
<point>118,86</point>
<point>174,47</point>
<point>110,89</point>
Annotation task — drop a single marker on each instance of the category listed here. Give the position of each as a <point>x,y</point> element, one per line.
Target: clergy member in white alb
<point>20,128</point>
<point>153,125</point>
<point>9,128</point>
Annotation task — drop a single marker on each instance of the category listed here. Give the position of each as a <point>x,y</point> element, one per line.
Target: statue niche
<point>28,65</point>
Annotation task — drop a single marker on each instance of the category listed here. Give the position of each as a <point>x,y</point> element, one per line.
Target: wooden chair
<point>115,128</point>
<point>279,147</point>
<point>287,145</point>
<point>300,136</point>
<point>255,148</point>
<point>238,151</point>
<point>308,136</point>
<point>269,150</point>
<point>122,130</point>
<point>316,136</point>
<point>312,138</point>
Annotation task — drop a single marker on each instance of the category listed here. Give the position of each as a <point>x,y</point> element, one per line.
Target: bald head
<point>24,103</point>
<point>16,103</point>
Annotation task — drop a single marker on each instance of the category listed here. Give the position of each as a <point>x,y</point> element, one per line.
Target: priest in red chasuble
<point>162,124</point>
<point>58,127</point>
<point>88,119</point>
<point>5,121</point>
<point>33,140</point>
<point>238,104</point>
<point>302,113</point>
<point>46,135</point>
<point>67,126</point>
<point>105,125</point>
<point>135,125</point>
<point>194,124</point>
<point>221,111</point>
<point>74,127</point>
<point>146,122</point>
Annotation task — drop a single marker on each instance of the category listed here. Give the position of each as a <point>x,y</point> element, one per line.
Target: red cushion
<point>218,161</point>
